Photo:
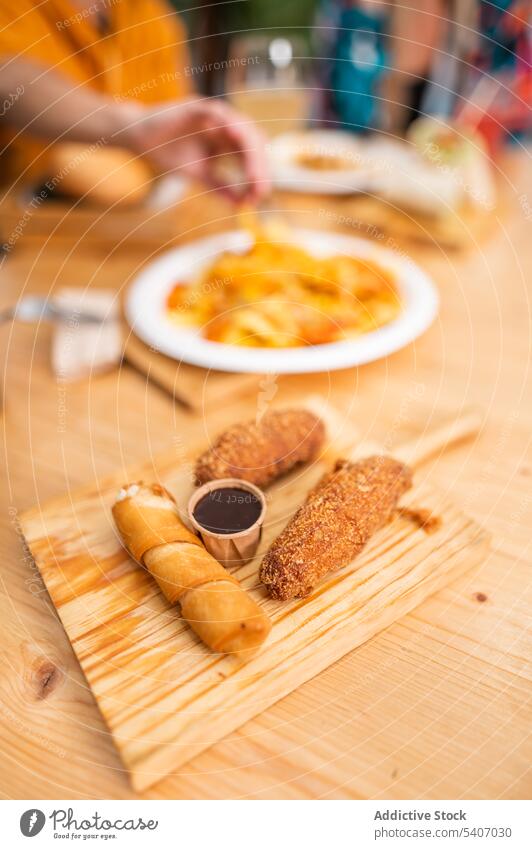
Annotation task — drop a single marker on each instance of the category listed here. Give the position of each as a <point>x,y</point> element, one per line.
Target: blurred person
<point>113,75</point>
<point>391,62</point>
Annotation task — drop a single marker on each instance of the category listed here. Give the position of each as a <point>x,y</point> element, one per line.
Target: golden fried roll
<point>259,452</point>
<point>212,601</point>
<point>339,516</point>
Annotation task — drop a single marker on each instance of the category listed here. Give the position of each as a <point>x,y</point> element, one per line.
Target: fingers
<point>231,132</point>
<point>211,133</point>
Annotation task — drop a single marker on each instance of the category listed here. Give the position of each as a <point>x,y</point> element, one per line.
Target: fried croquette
<point>260,452</point>
<point>334,524</point>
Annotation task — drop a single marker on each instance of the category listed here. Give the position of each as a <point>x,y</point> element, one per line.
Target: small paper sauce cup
<point>230,549</point>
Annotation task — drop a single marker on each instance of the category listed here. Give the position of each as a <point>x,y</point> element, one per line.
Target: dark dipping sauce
<point>227,510</point>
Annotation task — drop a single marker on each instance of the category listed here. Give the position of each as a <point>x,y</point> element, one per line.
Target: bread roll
<point>102,175</point>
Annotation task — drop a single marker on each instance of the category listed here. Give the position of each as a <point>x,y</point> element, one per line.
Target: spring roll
<point>212,601</point>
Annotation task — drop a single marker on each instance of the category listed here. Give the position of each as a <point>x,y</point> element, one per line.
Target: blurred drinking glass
<point>267,79</point>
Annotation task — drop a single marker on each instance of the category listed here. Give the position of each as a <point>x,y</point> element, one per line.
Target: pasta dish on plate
<point>278,295</point>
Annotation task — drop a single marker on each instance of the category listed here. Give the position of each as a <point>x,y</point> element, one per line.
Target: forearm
<point>187,135</point>
<point>50,106</point>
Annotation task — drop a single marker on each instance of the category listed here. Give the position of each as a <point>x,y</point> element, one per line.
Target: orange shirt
<point>142,56</point>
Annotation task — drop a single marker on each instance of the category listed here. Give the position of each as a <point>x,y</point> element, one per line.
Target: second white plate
<point>146,311</point>
<point>290,174</point>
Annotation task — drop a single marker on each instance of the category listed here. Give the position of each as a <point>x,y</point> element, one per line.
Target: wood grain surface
<point>165,696</point>
<point>436,706</point>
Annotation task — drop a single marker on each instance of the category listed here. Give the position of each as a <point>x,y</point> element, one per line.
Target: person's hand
<point>206,139</point>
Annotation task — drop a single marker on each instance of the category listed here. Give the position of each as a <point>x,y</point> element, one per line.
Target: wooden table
<point>437,706</point>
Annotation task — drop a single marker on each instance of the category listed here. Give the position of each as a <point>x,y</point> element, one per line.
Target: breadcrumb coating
<point>339,516</point>
<point>260,452</point>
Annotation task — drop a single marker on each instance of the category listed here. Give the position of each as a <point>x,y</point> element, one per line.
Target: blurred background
<point>430,90</point>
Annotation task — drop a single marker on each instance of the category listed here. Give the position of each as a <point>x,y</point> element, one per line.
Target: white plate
<point>288,174</point>
<point>146,313</point>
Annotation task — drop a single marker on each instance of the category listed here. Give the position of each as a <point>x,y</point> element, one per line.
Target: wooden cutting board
<point>164,696</point>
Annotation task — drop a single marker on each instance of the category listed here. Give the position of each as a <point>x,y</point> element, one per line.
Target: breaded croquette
<point>259,452</point>
<point>339,516</point>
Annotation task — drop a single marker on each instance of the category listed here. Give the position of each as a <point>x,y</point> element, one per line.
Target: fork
<point>34,308</point>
